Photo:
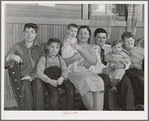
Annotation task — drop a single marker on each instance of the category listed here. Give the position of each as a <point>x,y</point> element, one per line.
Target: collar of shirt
<point>24,44</point>
<point>52,56</point>
<point>107,48</point>
<point>105,45</point>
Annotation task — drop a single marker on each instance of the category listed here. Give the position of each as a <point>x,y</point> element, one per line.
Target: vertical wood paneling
<point>139,33</point>
<point>116,32</point>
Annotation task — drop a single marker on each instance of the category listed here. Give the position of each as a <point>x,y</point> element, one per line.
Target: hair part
<point>100,30</point>
<point>72,25</point>
<point>127,35</point>
<point>115,42</point>
<point>55,40</point>
<point>31,25</point>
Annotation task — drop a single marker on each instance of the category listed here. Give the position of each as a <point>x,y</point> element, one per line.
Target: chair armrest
<point>15,77</point>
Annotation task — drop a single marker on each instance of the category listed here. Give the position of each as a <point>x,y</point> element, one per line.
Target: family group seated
<point>106,76</point>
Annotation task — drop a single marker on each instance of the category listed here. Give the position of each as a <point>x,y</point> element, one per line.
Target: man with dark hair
<point>27,53</point>
<point>124,87</point>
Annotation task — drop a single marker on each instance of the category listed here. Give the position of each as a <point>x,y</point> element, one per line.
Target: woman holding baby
<point>90,85</point>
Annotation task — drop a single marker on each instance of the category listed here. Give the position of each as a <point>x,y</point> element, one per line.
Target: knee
<point>26,84</point>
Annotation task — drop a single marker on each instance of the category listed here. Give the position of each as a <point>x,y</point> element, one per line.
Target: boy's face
<point>117,48</point>
<point>53,48</point>
<point>72,31</point>
<point>30,34</point>
<point>100,39</point>
<point>129,43</point>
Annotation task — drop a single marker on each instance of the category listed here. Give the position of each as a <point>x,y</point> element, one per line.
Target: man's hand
<point>60,80</point>
<point>53,82</point>
<point>16,58</point>
<point>27,77</point>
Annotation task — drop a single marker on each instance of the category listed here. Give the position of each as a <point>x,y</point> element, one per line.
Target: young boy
<point>67,49</point>
<point>26,52</point>
<point>115,59</point>
<point>53,72</point>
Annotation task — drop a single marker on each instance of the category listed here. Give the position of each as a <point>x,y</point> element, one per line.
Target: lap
<point>135,75</point>
<point>26,84</point>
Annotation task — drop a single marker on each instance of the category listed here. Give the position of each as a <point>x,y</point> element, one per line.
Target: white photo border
<point>75,115</point>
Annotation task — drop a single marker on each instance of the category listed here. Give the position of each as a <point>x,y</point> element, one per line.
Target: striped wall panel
<point>14,33</point>
<point>116,32</point>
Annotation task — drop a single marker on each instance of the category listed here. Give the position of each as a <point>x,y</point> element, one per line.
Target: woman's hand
<point>77,47</point>
<point>73,58</point>
<point>76,56</point>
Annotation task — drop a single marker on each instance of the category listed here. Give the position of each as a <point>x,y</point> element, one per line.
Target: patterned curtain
<point>100,17</point>
<point>133,16</point>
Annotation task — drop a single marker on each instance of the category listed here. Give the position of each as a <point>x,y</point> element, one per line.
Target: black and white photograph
<point>74,60</point>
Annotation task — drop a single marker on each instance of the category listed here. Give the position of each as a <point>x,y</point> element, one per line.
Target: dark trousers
<point>137,80</point>
<point>26,95</point>
<point>109,98</point>
<point>125,94</point>
<point>39,88</point>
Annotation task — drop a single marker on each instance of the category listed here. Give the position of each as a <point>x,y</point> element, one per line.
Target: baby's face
<point>117,48</point>
<point>72,31</point>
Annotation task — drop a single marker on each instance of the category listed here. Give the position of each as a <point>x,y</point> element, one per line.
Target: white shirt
<point>107,48</point>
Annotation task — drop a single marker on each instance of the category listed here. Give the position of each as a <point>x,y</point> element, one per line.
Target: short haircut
<point>85,27</point>
<point>88,29</point>
<point>127,34</point>
<point>100,30</point>
<point>72,25</point>
<point>31,25</point>
<point>55,40</point>
<point>115,42</point>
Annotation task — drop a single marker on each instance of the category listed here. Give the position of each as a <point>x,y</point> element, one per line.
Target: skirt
<point>86,81</point>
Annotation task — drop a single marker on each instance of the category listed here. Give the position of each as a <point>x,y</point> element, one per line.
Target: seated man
<point>135,73</point>
<point>124,88</point>
<point>26,52</point>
